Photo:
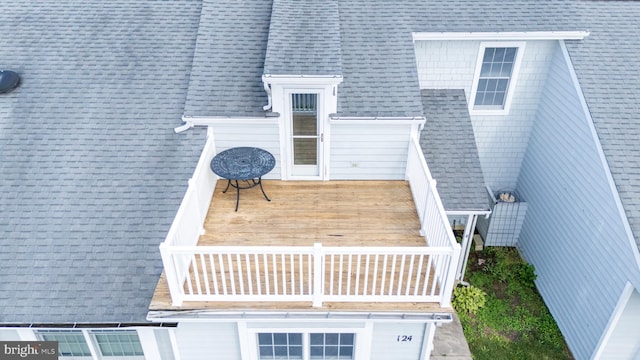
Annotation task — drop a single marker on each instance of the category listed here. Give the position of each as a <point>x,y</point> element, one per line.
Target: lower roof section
<point>449,147</point>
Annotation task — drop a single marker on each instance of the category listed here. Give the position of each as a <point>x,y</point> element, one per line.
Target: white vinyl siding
<point>501,138</point>
<point>208,341</point>
<point>398,341</point>
<point>237,133</point>
<point>368,151</point>
<point>573,232</point>
<point>9,335</point>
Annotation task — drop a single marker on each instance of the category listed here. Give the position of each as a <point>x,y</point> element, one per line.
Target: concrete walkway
<point>449,342</point>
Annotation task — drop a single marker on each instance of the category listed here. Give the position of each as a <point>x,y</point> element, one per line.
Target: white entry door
<point>305,136</point>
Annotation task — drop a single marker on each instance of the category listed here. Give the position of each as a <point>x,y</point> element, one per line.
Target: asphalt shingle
<point>449,147</point>
<point>304,38</point>
<point>91,172</point>
<point>226,76</point>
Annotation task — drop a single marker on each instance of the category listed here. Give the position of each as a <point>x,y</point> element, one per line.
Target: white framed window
<point>496,72</point>
<point>71,343</point>
<point>112,344</point>
<point>118,344</point>
<point>332,346</point>
<point>335,341</point>
<point>279,346</point>
<point>302,346</point>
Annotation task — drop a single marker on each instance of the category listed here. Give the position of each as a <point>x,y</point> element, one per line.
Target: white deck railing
<point>188,223</point>
<point>305,273</point>
<point>433,219</point>
<point>315,274</point>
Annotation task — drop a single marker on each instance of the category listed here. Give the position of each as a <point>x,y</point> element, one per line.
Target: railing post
<point>318,262</point>
<point>170,273</point>
<point>450,279</point>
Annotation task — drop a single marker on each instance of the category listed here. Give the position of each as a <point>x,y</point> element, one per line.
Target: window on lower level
<point>118,343</point>
<point>303,346</point>
<point>331,346</point>
<point>106,344</point>
<point>71,343</point>
<point>280,346</point>
<point>495,77</point>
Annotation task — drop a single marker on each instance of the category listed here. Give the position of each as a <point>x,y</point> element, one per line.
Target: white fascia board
<point>496,36</point>
<point>376,121</point>
<point>214,120</point>
<point>291,80</point>
<point>467,212</point>
<point>158,316</point>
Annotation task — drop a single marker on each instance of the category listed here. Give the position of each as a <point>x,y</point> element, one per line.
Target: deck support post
<point>318,260</point>
<point>171,275</point>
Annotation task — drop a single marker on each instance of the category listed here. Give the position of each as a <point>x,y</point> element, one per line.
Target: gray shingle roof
<point>449,147</point>
<point>226,78</point>
<point>304,38</point>
<point>380,75</point>
<point>91,172</point>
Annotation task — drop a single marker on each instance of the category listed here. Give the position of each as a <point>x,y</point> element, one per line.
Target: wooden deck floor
<point>334,213</point>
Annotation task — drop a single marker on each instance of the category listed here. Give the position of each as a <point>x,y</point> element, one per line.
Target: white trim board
<point>507,35</point>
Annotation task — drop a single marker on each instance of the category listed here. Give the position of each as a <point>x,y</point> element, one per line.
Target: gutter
<point>266,316</point>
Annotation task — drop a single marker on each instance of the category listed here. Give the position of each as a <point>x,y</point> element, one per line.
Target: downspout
<point>267,89</point>
<point>184,127</point>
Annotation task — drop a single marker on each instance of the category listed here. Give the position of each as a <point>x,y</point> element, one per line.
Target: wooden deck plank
<point>334,213</point>
<point>301,213</point>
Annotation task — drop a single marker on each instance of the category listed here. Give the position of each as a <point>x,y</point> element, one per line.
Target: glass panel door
<point>305,135</point>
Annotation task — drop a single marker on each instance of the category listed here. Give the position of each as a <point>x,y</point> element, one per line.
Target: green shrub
<point>526,274</point>
<point>468,299</point>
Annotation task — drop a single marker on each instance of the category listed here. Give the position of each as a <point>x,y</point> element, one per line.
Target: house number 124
<point>404,338</point>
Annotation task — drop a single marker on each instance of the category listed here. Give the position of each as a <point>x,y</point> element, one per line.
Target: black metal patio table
<point>246,164</point>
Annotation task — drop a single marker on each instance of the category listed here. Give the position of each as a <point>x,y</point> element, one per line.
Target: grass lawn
<point>514,323</point>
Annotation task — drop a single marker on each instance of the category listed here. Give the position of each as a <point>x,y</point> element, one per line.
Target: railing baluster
<point>409,277</point>
<point>232,277</point>
<point>293,274</point>
<point>188,280</point>
<point>240,276</point>
<point>223,277</point>
<point>384,275</point>
<point>214,274</point>
<point>357,288</point>
<point>393,274</point>
<point>340,278</point>
<point>301,272</point>
<point>256,260</point>
<point>366,275</point>
<point>375,274</point>
<point>418,274</point>
<point>265,262</point>
<point>205,274</point>
<point>349,274</point>
<point>435,276</point>
<point>196,273</point>
<point>249,280</point>
<point>401,275</point>
<point>284,274</point>
<point>331,274</point>
<point>275,274</point>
